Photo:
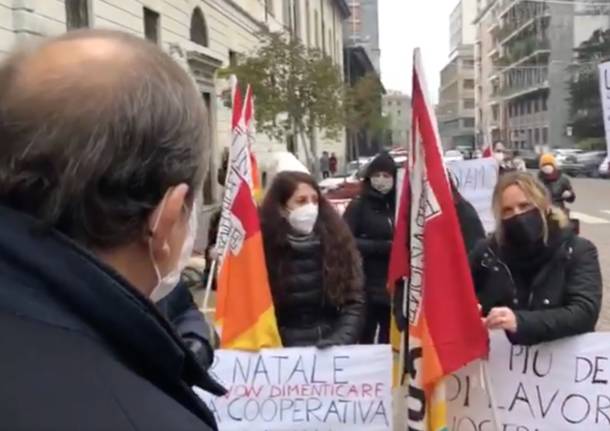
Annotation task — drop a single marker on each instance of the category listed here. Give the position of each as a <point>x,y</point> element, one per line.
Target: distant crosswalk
<point>601,217</point>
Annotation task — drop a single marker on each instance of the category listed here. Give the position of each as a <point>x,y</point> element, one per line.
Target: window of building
<point>468,122</point>
<point>544,106</point>
<point>286,13</point>
<point>528,106</point>
<point>468,103</point>
<point>77,14</point>
<point>233,58</point>
<point>307,23</point>
<point>269,10</point>
<point>469,64</point>
<point>536,105</point>
<point>317,28</point>
<point>199,29</point>
<point>530,136</point>
<point>536,136</point>
<point>323,37</point>
<point>296,8</point>
<point>469,84</point>
<point>151,25</point>
<point>545,135</point>
<point>208,184</point>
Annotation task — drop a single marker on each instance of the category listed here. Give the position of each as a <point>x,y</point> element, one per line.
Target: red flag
<point>445,329</point>
<point>487,151</point>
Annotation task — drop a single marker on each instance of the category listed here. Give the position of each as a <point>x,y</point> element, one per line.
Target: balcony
<point>523,51</point>
<point>514,28</point>
<point>525,81</point>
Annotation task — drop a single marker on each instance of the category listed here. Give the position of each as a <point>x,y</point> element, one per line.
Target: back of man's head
<point>95,126</point>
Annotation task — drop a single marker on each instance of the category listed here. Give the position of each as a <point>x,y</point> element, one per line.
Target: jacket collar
<point>94,299</point>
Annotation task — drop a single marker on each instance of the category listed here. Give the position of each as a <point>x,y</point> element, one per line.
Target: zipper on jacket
<point>510,274</point>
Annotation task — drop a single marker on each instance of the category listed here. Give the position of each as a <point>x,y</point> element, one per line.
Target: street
<point>592,207</point>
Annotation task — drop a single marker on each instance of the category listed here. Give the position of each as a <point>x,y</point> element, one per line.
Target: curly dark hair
<point>342,266</point>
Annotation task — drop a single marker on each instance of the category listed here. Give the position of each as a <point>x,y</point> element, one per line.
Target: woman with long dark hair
<point>314,267</point>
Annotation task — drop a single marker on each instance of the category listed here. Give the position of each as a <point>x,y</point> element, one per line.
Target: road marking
<point>588,219</point>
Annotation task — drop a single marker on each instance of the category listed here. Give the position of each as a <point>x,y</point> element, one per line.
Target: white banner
<point>559,386</point>
<point>304,389</point>
<point>476,180</point>
<point>604,91</point>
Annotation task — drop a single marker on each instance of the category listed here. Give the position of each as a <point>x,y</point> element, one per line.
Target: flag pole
<point>208,286</point>
<point>490,393</point>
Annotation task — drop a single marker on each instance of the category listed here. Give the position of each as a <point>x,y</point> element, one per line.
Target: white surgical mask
<point>303,219</point>
<point>547,169</point>
<point>382,183</point>
<point>167,283</point>
<point>499,156</point>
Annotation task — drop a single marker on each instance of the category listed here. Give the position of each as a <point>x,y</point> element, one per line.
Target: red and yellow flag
<point>439,304</point>
<point>244,309</point>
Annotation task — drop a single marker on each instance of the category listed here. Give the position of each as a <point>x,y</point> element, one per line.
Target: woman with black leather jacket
<point>534,278</point>
<point>313,265</point>
<point>370,217</point>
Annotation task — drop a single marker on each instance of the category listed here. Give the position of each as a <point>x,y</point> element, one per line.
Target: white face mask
<point>166,284</point>
<point>499,156</point>
<point>547,169</point>
<point>382,184</point>
<point>303,219</point>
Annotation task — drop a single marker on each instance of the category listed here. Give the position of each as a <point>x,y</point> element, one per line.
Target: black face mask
<point>525,229</point>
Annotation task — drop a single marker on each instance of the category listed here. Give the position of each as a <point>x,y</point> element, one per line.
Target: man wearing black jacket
<point>103,150</point>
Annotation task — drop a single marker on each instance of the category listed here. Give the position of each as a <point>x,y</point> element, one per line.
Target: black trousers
<point>377,316</point>
<point>325,174</point>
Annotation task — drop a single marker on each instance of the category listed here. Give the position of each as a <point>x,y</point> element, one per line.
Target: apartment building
<point>456,106</point>
<point>397,108</point>
<point>523,52</point>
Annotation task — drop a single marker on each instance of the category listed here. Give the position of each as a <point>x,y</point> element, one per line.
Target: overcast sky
<point>406,24</point>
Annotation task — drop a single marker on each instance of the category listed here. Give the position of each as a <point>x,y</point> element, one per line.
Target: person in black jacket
<point>101,161</point>
<point>370,217</point>
<point>557,183</point>
<point>313,265</point>
<point>535,279</point>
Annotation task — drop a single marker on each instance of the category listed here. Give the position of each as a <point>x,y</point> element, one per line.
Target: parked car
<point>585,164</point>
<point>453,156</point>
<point>562,153</point>
<point>604,168</point>
<point>530,157</point>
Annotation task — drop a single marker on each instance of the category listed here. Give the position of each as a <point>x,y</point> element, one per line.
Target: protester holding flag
<point>313,264</point>
<point>370,217</point>
<point>534,278</point>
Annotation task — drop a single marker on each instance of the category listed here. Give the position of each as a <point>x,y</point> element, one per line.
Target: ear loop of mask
<point>150,240</point>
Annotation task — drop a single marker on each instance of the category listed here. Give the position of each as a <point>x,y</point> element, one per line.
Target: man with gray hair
<point>103,144</point>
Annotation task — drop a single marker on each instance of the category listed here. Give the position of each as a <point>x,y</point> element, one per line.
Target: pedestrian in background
<point>334,163</point>
<point>370,217</point>
<point>313,264</point>
<point>103,153</point>
<point>325,165</point>
<point>534,278</point>
<point>557,183</point>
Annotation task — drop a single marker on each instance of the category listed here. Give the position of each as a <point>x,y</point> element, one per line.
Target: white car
<point>604,168</point>
<point>453,156</point>
<point>561,154</point>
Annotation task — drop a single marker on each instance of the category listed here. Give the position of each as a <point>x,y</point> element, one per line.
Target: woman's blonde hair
<point>535,192</point>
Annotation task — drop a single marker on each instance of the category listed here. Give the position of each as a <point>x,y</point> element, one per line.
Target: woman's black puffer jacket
<point>305,313</point>
<point>559,297</point>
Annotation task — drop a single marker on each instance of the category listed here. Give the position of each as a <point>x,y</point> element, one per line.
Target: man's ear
<point>163,219</point>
